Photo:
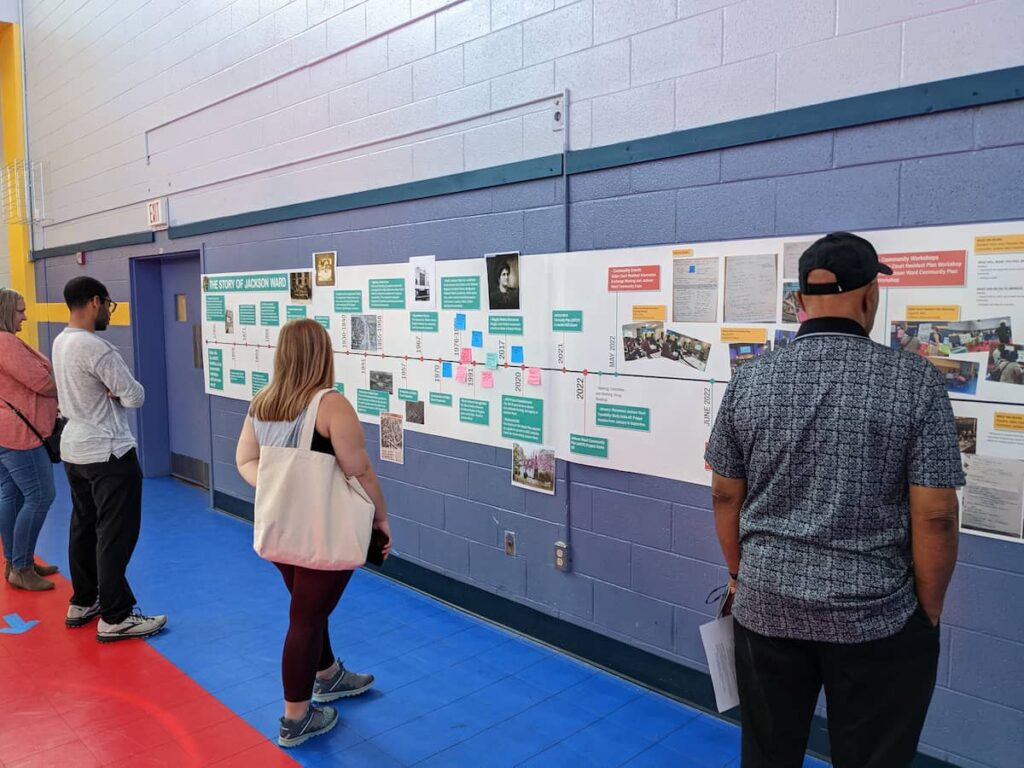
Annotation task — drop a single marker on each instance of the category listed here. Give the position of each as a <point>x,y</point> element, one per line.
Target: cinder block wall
<point>644,548</point>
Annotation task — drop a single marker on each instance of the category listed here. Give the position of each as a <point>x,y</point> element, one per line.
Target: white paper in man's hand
<point>720,649</point>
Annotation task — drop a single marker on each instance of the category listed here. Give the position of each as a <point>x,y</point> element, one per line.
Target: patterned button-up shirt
<point>829,433</point>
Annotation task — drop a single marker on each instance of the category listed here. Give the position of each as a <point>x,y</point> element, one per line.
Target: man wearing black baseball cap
<point>836,464</point>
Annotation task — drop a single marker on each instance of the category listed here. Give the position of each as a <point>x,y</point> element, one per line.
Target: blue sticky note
<point>692,269</point>
<point>478,338</point>
<point>446,370</point>
<point>460,322</point>
<point>517,354</point>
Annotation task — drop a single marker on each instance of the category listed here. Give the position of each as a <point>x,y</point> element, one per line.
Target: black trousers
<point>877,694</point>
<point>105,519</point>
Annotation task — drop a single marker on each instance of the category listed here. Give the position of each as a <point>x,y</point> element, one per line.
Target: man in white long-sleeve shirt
<point>94,388</point>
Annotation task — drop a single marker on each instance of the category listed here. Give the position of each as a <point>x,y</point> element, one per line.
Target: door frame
<point>148,341</point>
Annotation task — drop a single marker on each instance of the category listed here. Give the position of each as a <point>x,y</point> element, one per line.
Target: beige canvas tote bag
<point>308,512</point>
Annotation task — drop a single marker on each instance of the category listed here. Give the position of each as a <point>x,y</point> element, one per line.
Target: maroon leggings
<point>307,647</point>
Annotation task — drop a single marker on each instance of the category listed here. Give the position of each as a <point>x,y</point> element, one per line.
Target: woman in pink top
<point>26,473</point>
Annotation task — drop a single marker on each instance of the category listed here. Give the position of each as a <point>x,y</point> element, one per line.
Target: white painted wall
<point>9,11</point>
<point>104,75</point>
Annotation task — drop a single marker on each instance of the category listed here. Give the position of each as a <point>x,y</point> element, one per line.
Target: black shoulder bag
<point>51,443</point>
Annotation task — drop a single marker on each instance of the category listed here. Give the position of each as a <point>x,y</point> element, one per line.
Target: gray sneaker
<point>79,616</point>
<point>316,722</point>
<point>341,686</point>
<point>136,625</point>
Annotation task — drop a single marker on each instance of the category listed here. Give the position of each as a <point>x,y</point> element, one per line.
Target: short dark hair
<point>79,291</point>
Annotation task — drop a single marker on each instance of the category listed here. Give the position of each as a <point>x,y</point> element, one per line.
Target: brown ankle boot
<point>27,578</point>
<point>7,570</point>
<point>44,570</point>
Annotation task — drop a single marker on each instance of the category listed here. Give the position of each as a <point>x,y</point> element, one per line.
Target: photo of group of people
<point>959,376</point>
<point>783,338</point>
<point>942,339</point>
<point>642,341</point>
<point>744,353</point>
<point>300,286</point>
<point>967,434</point>
<point>646,341</point>
<point>1004,364</point>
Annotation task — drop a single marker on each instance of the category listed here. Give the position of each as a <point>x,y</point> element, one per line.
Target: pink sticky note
<point>461,374</point>
<point>467,355</point>
<point>487,379</point>
<point>533,377</point>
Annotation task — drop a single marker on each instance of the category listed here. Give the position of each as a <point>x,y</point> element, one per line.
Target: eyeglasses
<point>112,305</point>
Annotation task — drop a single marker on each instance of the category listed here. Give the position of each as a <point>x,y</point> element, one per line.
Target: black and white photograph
<point>642,341</point>
<point>229,321</point>
<point>414,411</point>
<point>392,438</point>
<point>382,381</point>
<point>324,264</point>
<point>300,286</point>
<point>365,333</point>
<point>422,281</point>
<point>503,280</point>
<point>967,434</point>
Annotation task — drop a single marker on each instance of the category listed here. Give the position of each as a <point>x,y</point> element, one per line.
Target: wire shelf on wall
<point>22,192</point>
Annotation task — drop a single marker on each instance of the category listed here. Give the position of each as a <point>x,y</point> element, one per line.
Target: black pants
<point>307,647</point>
<point>877,694</point>
<point>106,514</point>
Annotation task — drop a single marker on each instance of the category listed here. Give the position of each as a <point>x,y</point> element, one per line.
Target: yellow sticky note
<point>933,312</point>
<point>1011,421</point>
<point>999,244</point>
<point>644,312</point>
<point>682,252</point>
<point>744,335</point>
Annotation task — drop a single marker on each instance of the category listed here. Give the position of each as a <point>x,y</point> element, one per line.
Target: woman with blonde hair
<point>28,411</point>
<point>304,367</point>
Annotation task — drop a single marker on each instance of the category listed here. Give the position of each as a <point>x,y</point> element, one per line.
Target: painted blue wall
<point>644,548</point>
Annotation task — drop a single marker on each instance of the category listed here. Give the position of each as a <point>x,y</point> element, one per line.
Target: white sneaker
<point>135,625</point>
<point>79,616</point>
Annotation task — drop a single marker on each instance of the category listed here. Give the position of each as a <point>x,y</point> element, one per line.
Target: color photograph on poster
<point>422,279</point>
<point>791,311</point>
<point>642,341</point>
<point>941,338</point>
<point>503,280</point>
<point>967,434</point>
<point>392,438</point>
<point>686,349</point>
<point>365,333</point>
<point>958,376</point>
<point>323,265</point>
<point>784,338</point>
<point>1004,364</point>
<point>382,381</point>
<point>299,286</point>
<point>744,353</point>
<point>533,468</point>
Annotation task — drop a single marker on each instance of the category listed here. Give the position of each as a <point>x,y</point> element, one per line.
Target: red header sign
<point>642,278</point>
<point>924,268</point>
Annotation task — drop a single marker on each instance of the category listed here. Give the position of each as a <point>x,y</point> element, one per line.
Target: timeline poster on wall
<point>620,358</point>
<point>242,316</point>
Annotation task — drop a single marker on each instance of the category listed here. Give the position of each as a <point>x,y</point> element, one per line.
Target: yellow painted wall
<point>23,276</point>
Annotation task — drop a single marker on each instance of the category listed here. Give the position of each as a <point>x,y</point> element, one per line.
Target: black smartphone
<point>378,540</point>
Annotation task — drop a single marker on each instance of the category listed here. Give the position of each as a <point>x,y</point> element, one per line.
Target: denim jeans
<point>26,493</point>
